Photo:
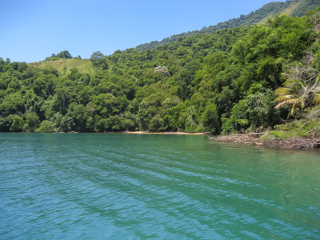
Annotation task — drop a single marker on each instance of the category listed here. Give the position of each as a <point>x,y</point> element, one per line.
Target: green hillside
<point>65,65</point>
<point>289,7</point>
<point>244,79</point>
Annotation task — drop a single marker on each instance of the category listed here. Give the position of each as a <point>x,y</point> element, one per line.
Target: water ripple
<point>91,186</point>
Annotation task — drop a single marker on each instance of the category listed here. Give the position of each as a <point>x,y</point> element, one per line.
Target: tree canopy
<point>219,82</point>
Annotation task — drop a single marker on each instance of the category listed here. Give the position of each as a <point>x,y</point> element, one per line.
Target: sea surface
<point>118,186</point>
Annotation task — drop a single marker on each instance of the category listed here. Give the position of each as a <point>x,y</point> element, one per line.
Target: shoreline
<point>129,132</point>
<point>254,139</point>
<point>164,133</point>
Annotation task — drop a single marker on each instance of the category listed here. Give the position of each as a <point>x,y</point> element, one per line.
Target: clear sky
<point>31,30</point>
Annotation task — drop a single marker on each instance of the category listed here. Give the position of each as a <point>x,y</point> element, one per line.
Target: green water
<point>115,186</point>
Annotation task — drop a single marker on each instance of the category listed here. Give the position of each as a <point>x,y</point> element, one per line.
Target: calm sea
<point>117,186</point>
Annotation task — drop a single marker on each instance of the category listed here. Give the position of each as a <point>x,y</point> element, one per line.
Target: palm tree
<point>301,89</point>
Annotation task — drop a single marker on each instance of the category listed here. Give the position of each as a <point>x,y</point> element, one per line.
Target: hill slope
<point>225,81</point>
<point>290,7</point>
<point>65,65</point>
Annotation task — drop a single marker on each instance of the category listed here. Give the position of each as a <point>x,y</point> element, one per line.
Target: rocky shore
<point>255,139</point>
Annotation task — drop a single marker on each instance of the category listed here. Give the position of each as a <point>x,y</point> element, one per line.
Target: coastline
<point>141,132</point>
<point>254,139</point>
<point>164,133</point>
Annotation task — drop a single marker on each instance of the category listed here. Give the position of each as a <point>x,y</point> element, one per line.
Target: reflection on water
<point>114,186</point>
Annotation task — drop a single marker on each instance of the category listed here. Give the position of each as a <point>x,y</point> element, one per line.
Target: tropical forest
<point>247,78</point>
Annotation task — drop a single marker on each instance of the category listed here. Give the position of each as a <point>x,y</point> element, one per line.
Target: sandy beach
<point>165,133</point>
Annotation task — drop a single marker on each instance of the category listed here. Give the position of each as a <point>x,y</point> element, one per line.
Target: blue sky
<point>32,30</point>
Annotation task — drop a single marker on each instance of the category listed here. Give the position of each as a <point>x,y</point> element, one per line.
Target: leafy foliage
<point>301,89</point>
<point>217,82</point>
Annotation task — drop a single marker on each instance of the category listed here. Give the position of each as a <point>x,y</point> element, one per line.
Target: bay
<point>121,186</point>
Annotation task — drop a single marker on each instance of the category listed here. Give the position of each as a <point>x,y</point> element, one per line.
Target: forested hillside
<point>290,7</point>
<point>239,79</point>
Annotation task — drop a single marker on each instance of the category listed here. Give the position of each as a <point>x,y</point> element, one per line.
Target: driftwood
<point>250,139</point>
<point>254,139</point>
<point>293,143</point>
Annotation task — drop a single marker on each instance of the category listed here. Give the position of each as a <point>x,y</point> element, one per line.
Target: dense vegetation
<point>290,7</point>
<point>220,82</point>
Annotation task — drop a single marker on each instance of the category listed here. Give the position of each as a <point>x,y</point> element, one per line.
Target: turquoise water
<point>116,186</point>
